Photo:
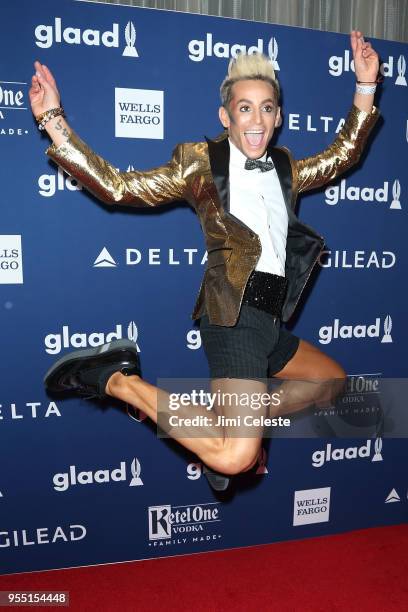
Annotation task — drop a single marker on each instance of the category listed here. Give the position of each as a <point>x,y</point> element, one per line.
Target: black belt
<point>266,292</point>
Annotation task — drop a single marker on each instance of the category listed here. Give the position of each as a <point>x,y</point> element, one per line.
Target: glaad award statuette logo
<point>136,470</point>
<point>387,330</point>
<point>402,66</point>
<point>377,450</point>
<point>133,333</point>
<point>396,194</point>
<point>130,37</point>
<point>262,459</point>
<point>273,52</point>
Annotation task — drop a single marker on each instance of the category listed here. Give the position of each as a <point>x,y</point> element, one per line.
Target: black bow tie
<point>251,164</point>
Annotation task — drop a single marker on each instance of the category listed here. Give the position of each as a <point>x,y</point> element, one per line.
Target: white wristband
<point>365,89</point>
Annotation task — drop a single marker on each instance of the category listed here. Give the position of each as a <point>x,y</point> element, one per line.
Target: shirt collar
<point>238,159</point>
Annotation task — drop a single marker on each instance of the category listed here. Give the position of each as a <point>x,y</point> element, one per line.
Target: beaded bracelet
<point>48,115</point>
<point>365,89</point>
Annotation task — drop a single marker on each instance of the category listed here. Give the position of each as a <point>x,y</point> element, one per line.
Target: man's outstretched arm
<point>317,170</point>
<point>151,188</point>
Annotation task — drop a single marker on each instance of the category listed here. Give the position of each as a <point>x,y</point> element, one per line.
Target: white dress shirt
<point>256,199</point>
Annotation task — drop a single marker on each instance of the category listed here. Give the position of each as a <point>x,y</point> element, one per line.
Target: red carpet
<point>357,571</point>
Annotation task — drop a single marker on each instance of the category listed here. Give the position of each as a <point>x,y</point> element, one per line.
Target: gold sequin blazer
<point>198,174</point>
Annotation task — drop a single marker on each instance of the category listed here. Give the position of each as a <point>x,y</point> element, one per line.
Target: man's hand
<point>44,95</point>
<point>43,92</point>
<point>366,60</point>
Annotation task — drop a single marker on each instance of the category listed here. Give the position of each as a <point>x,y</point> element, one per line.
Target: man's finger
<point>48,75</point>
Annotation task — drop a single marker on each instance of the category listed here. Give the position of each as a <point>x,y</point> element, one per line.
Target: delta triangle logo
<point>104,260</point>
<point>392,497</point>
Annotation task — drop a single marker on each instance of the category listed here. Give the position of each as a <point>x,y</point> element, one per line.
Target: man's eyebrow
<point>251,102</point>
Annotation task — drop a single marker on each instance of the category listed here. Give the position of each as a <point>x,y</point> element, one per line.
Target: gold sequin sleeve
<point>150,188</point>
<point>317,170</point>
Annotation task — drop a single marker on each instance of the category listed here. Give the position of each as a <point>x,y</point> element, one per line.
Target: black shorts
<point>257,347</point>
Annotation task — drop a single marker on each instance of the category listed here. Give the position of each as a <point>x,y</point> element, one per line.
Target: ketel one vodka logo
<point>327,333</point>
<point>58,33</point>
<point>64,480</point>
<point>54,343</point>
<point>168,521</point>
<point>320,457</point>
<point>12,98</point>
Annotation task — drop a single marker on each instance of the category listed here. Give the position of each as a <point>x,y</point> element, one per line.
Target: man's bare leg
<point>220,447</point>
<point>311,378</point>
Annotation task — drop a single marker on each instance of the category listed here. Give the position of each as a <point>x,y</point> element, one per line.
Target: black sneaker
<point>86,372</point>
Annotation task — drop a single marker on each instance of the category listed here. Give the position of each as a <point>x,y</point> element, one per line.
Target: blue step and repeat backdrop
<point>85,484</point>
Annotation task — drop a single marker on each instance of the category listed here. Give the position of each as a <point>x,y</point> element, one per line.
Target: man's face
<point>252,116</point>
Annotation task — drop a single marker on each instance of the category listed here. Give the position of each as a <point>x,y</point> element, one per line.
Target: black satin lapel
<point>284,171</point>
<point>219,155</point>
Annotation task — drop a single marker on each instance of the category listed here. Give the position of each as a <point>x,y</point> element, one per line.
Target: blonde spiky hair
<point>248,67</point>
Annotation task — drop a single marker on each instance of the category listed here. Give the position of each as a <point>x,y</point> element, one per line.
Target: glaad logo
<point>335,193</point>
<point>47,35</point>
<point>50,183</point>
<point>193,338</point>
<point>357,259</point>
<point>54,343</point>
<point>320,457</point>
<point>327,333</point>
<point>42,535</point>
<point>199,49</point>
<point>62,481</point>
<point>311,506</point>
<point>167,521</point>
<point>11,260</point>
<point>139,113</point>
<point>342,63</point>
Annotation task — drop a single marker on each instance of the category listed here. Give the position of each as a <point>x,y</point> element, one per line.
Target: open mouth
<point>254,137</point>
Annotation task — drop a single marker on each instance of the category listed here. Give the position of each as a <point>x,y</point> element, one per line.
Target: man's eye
<point>268,108</point>
<point>244,108</point>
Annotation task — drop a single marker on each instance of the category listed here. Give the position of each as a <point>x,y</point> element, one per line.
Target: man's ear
<point>278,118</point>
<point>224,117</point>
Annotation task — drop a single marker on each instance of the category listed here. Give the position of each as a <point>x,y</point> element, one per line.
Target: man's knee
<point>235,458</point>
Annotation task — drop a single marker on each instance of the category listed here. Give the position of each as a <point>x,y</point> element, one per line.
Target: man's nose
<point>258,116</point>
